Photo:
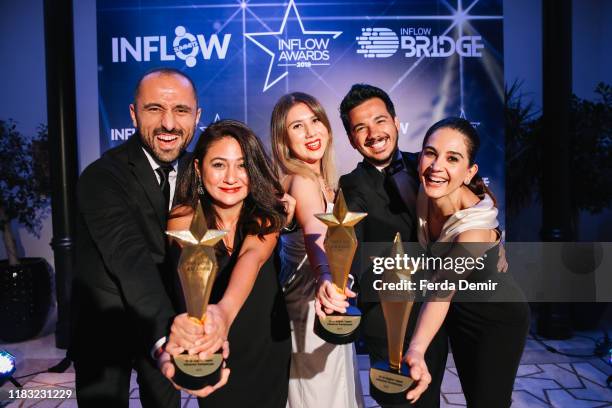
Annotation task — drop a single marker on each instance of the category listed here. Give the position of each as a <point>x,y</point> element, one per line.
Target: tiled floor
<point>544,379</point>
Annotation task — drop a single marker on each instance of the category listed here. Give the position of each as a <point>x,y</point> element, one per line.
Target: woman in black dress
<point>240,193</point>
<point>458,218</point>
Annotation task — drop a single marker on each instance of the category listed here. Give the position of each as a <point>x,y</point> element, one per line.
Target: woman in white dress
<point>458,218</point>
<point>322,374</point>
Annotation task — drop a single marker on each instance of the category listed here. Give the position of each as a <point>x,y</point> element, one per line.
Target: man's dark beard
<point>156,132</point>
<point>385,161</point>
<point>159,131</point>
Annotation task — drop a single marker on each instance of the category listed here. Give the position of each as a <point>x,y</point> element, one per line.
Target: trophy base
<point>339,328</point>
<point>389,386</point>
<point>194,374</point>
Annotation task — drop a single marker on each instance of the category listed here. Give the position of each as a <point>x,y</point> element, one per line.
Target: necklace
<point>228,239</point>
<point>226,243</point>
<point>327,190</point>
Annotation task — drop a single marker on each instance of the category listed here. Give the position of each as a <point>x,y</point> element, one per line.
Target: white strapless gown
<point>322,374</point>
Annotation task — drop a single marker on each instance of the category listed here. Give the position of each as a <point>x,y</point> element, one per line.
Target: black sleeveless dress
<point>259,338</point>
<point>486,328</point>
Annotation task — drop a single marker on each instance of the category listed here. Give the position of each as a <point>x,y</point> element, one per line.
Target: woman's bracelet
<point>291,227</point>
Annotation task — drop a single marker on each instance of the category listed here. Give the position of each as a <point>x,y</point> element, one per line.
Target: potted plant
<point>591,155</point>
<point>25,284</point>
<point>590,144</point>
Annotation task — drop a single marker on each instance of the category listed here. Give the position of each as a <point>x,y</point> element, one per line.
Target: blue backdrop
<point>435,58</point>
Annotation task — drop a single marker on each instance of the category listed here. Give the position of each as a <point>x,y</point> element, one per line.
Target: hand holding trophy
<point>340,246</point>
<point>197,268</point>
<point>391,380</point>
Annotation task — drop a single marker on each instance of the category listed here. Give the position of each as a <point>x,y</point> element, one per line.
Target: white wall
<point>591,48</point>
<point>522,46</point>
<point>592,45</point>
<point>24,88</point>
<point>86,72</point>
<point>592,63</point>
<point>23,85</point>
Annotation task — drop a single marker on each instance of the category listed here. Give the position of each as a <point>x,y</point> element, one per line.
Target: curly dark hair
<point>263,211</point>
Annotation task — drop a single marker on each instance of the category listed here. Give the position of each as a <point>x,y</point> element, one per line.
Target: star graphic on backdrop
<point>253,37</point>
<point>216,119</point>
<point>462,115</point>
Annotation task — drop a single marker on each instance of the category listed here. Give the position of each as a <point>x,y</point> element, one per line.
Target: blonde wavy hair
<point>283,159</point>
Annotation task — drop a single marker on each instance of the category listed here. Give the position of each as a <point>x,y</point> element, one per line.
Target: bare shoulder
<point>302,185</point>
<point>261,248</point>
<point>477,235</point>
<point>180,218</point>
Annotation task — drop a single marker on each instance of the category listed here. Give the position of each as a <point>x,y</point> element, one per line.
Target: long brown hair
<point>472,143</point>
<point>281,153</point>
<point>262,212</point>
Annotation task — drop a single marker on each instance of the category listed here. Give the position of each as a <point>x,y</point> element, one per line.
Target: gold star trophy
<point>197,268</point>
<point>390,380</point>
<point>340,246</point>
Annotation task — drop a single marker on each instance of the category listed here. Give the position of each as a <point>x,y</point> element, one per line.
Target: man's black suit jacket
<point>123,292</point>
<point>366,189</point>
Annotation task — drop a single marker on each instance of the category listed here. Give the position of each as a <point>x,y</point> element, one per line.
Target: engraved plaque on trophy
<point>390,380</point>
<point>197,268</point>
<point>340,246</point>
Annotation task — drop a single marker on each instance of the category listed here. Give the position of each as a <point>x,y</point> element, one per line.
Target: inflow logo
<point>122,134</point>
<point>377,42</point>
<point>185,46</point>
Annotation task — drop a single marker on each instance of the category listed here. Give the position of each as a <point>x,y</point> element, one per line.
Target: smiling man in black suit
<point>384,185</point>
<point>124,297</point>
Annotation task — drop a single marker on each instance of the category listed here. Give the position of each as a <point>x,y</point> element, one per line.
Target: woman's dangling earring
<point>200,187</point>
